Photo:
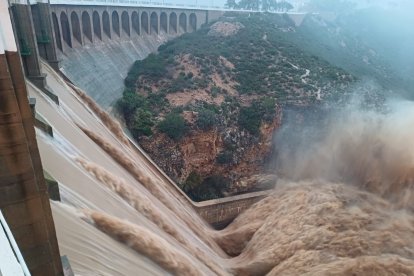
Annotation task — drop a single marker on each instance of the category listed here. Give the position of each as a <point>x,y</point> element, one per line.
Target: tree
<point>263,5</point>
<point>174,126</point>
<point>210,188</point>
<point>284,6</point>
<point>141,123</point>
<point>192,182</point>
<point>250,119</point>
<point>231,4</point>
<point>225,157</point>
<point>206,119</point>
<point>129,102</point>
<point>153,66</point>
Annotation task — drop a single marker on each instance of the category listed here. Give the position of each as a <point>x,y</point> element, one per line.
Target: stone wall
<point>221,212</point>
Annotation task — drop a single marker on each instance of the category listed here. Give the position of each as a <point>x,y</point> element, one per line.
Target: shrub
<point>153,66</point>
<point>141,123</point>
<point>206,119</point>
<point>250,119</point>
<point>157,100</point>
<point>174,126</point>
<point>129,102</point>
<point>211,187</point>
<point>225,157</point>
<point>193,181</point>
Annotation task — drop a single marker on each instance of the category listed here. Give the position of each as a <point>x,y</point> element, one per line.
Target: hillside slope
<point>206,106</point>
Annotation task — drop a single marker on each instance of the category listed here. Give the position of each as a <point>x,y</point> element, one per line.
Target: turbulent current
<point>342,205</point>
<point>344,208</point>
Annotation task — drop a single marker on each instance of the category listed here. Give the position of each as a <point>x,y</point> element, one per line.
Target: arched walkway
<point>173,23</point>
<point>106,24</point>
<point>86,25</point>
<point>125,23</point>
<point>154,23</point>
<point>144,22</point>
<point>57,31</point>
<point>96,25</point>
<point>135,22</point>
<point>193,22</point>
<point>163,22</point>
<point>115,23</point>
<point>64,23</point>
<point>183,22</point>
<point>76,30</point>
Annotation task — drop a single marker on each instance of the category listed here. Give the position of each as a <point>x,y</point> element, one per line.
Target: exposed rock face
<point>199,152</point>
<point>207,105</point>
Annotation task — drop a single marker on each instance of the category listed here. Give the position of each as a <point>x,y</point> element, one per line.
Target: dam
<point>116,213</point>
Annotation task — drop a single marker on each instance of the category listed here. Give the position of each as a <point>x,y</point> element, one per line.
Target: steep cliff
<point>207,105</point>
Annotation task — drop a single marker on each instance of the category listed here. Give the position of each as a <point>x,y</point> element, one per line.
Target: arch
<point>163,22</point>
<point>64,23</point>
<point>173,23</point>
<point>125,23</point>
<point>96,25</point>
<point>115,22</point>
<point>86,25</point>
<point>76,30</point>
<point>183,22</point>
<point>193,22</point>
<point>144,22</point>
<point>154,23</point>
<point>106,24</point>
<point>57,31</point>
<point>135,22</point>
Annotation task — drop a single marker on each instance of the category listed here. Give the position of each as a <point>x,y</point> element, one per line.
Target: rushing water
<point>342,208</point>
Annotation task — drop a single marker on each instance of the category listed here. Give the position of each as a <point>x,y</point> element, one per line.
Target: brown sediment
<point>147,243</point>
<point>106,119</point>
<point>143,205</point>
<point>128,164</point>
<point>319,226</point>
<point>332,219</point>
<point>327,264</point>
<point>153,187</point>
<point>345,208</point>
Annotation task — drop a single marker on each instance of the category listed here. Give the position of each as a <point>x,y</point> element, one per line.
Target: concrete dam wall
<point>97,54</point>
<point>100,69</point>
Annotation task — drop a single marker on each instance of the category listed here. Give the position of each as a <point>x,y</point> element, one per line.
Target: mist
<point>365,147</point>
<point>385,28</point>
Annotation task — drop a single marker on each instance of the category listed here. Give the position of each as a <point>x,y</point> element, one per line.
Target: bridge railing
<point>153,4</point>
<point>135,3</point>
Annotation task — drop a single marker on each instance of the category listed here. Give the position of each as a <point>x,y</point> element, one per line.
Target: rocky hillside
<point>205,107</point>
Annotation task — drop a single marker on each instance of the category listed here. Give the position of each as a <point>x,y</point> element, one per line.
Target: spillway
<point>119,215</point>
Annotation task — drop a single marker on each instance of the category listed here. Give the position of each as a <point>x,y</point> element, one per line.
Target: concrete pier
<point>24,200</point>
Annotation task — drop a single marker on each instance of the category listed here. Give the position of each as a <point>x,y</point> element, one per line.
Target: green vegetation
<point>224,85</point>
<point>206,119</point>
<point>137,113</point>
<point>153,66</point>
<point>225,157</point>
<point>210,188</point>
<point>251,117</point>
<point>173,125</point>
<point>141,123</point>
<point>263,5</point>
<point>192,182</point>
